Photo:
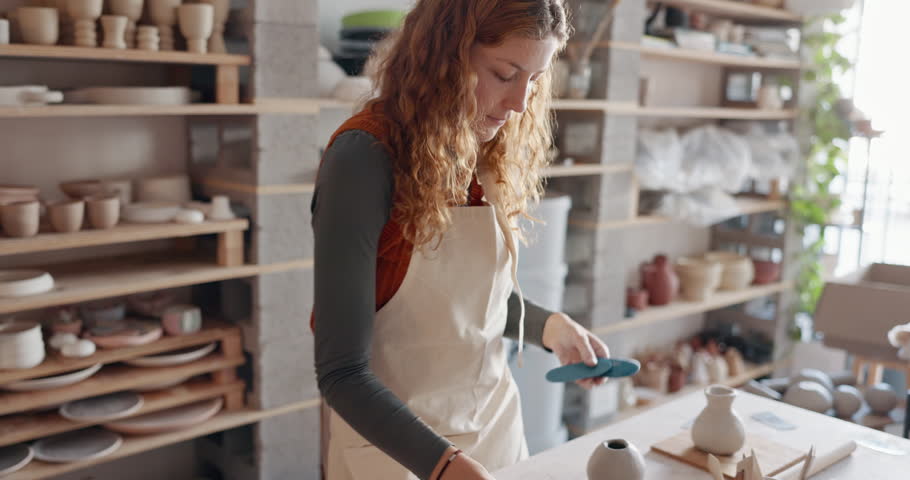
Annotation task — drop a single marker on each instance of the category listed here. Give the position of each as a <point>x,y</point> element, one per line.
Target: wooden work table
<point>568,461</point>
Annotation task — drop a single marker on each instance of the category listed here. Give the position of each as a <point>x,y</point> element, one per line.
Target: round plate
<point>167,420</point>
<point>606,367</point>
<point>77,446</point>
<point>15,457</point>
<point>56,381</point>
<point>172,358</point>
<point>102,408</point>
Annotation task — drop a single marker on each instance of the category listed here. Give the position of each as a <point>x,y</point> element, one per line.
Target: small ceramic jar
<point>616,459</point>
<point>39,25</point>
<point>103,210</point>
<point>66,216</point>
<point>181,319</point>
<point>21,219</point>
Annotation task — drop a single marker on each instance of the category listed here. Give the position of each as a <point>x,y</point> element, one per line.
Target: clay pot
<point>766,272</point>
<point>114,31</point>
<point>881,398</point>
<point>659,280</point>
<point>809,395</point>
<point>847,401</point>
<point>636,298</point>
<point>197,21</point>
<point>67,216</point>
<point>718,429</point>
<point>698,278</point>
<point>616,459</point>
<point>738,271</point>
<point>103,210</point>
<point>21,219</point>
<point>39,25</point>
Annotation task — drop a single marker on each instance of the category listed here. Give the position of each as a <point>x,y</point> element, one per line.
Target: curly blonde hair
<point>426,88</point>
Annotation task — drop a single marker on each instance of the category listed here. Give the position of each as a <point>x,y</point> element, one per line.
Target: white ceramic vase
<point>718,429</point>
<point>616,459</point>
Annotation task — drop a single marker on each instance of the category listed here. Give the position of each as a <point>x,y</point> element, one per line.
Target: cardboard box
<point>855,312</point>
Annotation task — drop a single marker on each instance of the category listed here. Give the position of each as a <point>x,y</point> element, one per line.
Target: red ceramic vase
<point>659,280</point>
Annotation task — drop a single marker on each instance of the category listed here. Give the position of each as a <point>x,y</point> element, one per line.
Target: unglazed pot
<point>718,429</point>
<point>197,21</point>
<point>659,280</point>
<point>103,210</point>
<point>39,25</point>
<point>616,459</point>
<point>66,216</point>
<point>21,219</point>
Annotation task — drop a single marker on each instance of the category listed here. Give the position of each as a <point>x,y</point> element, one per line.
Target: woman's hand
<point>573,343</point>
<point>462,467</point>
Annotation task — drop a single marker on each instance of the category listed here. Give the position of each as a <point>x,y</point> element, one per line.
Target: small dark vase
<point>659,280</point>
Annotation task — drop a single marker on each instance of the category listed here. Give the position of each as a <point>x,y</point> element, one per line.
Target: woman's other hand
<point>573,343</point>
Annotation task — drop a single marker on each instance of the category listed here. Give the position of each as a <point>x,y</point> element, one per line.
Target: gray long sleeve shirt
<point>351,205</point>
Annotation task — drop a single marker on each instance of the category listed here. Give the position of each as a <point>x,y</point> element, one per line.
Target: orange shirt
<point>394,253</point>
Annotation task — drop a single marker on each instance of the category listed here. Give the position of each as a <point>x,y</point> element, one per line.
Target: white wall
<point>331,11</point>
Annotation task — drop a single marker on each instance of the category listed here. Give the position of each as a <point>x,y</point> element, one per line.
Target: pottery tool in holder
<point>606,367</point>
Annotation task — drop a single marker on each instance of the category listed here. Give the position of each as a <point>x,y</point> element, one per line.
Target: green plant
<point>812,201</point>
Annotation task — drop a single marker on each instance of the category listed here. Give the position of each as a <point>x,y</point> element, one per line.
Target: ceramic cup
<point>164,14</point>
<point>132,10</point>
<point>181,319</point>
<point>222,8</point>
<point>67,216</point>
<point>21,345</point>
<point>39,25</point>
<point>103,210</point>
<point>20,219</point>
<point>114,31</point>
<point>147,38</point>
<point>4,31</point>
<point>197,21</point>
<point>85,13</point>
<point>221,208</point>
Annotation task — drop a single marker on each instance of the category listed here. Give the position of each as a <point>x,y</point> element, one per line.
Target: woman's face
<point>505,76</point>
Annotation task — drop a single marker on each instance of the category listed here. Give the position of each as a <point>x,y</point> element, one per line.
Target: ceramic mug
<point>20,219</point>
<point>67,216</point>
<point>103,210</point>
<point>181,319</point>
<point>39,25</point>
<point>4,31</point>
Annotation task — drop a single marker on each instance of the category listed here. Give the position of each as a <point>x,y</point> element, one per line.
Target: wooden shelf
<point>278,106</point>
<point>747,206</point>
<point>113,378</point>
<point>97,279</point>
<point>631,109</point>
<point>122,233</point>
<point>653,315</point>
<point>737,10</point>
<point>711,58</point>
<point>136,444</point>
<point>25,427</point>
<point>61,52</point>
<point>581,169</point>
<point>56,364</point>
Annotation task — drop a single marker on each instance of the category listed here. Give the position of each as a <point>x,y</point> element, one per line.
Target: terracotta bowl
<point>766,271</point>
<point>17,193</point>
<point>67,216</point>
<point>83,188</point>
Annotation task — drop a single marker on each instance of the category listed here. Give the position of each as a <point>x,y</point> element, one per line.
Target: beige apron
<point>438,345</point>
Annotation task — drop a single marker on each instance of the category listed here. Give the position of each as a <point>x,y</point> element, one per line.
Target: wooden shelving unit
<point>198,109</point>
<point>747,206</point>
<point>740,11</point>
<point>715,113</point>
<point>137,444</point>
<point>679,309</point>
<point>580,169</point>
<point>64,52</point>
<point>93,280</point>
<point>710,58</point>
<point>121,233</point>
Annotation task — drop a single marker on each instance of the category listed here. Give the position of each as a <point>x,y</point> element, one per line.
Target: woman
<point>414,216</point>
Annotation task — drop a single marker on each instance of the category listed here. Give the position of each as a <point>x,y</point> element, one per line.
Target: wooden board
<point>122,233</point>
<point>113,378</point>
<point>679,309</point>
<point>97,279</point>
<point>132,445</point>
<point>747,206</point>
<point>62,52</point>
<point>581,169</point>
<point>298,106</point>
<point>773,457</point>
<point>706,57</point>
<point>23,427</point>
<point>632,109</point>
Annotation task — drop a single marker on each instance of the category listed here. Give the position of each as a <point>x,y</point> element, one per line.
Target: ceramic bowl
<point>66,216</point>
<point>80,189</point>
<point>21,219</point>
<point>28,96</point>
<point>21,283</point>
<point>738,271</point>
<point>104,312</point>
<point>698,278</point>
<point>151,212</point>
<point>17,193</point>
<point>130,95</point>
<point>181,319</point>
<point>766,272</point>
<point>171,188</point>
<point>809,395</point>
<point>103,210</point>
<point>21,345</point>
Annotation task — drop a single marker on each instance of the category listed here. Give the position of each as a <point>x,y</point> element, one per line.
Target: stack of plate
<point>359,33</point>
<point>21,345</point>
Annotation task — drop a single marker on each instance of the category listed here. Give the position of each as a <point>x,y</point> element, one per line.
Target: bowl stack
<point>21,345</point>
<point>698,278</point>
<point>738,271</point>
<point>360,31</point>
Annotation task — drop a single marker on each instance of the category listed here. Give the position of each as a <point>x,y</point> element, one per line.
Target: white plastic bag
<point>774,155</point>
<point>659,158</point>
<point>702,207</point>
